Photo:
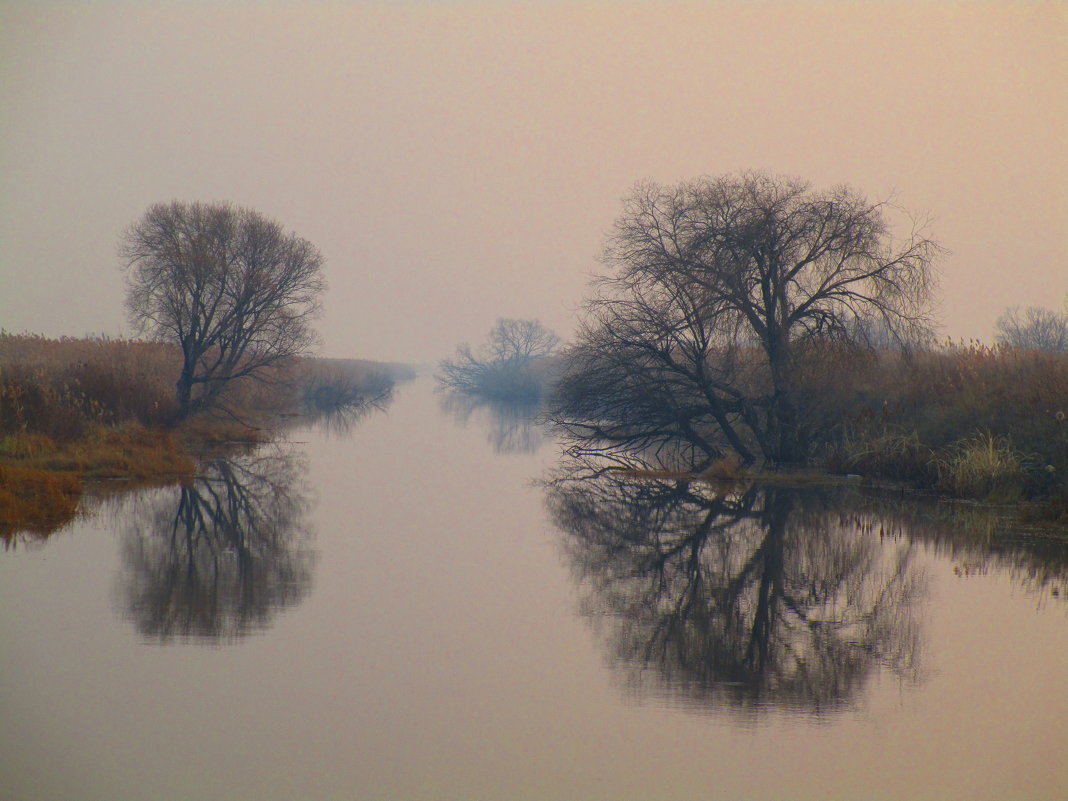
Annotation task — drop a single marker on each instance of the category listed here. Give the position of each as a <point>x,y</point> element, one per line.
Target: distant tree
<point>719,290</point>
<point>504,366</point>
<point>1033,328</point>
<point>231,287</point>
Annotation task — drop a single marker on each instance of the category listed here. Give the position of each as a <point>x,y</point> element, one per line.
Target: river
<point>430,605</point>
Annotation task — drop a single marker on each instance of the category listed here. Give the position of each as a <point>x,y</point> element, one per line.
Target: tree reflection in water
<point>511,426</point>
<point>217,559</point>
<point>340,419</point>
<point>979,540</point>
<point>750,597</point>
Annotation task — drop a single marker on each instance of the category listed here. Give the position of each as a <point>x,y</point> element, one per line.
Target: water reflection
<point>978,539</point>
<point>216,559</point>
<point>746,597</point>
<point>511,426</point>
<point>338,417</point>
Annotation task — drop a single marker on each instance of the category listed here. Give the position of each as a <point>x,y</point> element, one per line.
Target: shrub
<point>983,466</point>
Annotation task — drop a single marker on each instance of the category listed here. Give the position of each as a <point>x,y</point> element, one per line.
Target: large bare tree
<point>231,287</point>
<point>720,293</point>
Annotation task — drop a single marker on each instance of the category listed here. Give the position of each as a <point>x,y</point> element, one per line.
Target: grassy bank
<point>75,410</point>
<point>42,482</point>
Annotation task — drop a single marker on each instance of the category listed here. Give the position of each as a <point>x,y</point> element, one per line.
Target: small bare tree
<point>718,291</point>
<point>231,287</point>
<point>1033,328</point>
<point>520,340</point>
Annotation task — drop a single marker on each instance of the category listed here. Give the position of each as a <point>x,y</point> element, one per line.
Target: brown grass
<point>73,410</point>
<point>35,502</point>
<point>60,387</point>
<point>983,466</point>
<point>41,487</point>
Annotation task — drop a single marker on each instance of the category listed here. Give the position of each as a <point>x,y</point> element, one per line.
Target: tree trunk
<point>185,393</point>
<point>782,415</point>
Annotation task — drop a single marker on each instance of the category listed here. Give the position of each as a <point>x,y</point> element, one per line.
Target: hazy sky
<point>457,162</point>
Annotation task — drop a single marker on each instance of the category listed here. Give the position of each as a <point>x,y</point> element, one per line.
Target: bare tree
<point>504,366</point>
<point>231,287</point>
<point>718,292</point>
<point>1033,328</point>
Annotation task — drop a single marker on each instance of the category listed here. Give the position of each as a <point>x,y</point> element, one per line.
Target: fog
<point>458,162</point>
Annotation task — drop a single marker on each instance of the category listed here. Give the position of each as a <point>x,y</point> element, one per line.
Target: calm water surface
<point>434,606</point>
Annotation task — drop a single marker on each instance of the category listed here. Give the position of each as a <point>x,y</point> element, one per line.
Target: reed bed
<point>61,387</point>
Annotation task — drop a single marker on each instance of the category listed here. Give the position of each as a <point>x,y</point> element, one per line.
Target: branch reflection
<point>218,558</point>
<point>337,410</point>
<point>748,597</point>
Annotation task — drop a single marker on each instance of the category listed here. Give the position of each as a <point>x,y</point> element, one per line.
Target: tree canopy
<point>230,286</point>
<point>718,293</point>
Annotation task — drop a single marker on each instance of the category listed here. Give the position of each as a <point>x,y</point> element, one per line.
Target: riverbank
<point>961,420</point>
<point>78,411</point>
<point>1043,518</point>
